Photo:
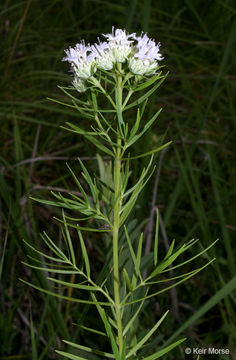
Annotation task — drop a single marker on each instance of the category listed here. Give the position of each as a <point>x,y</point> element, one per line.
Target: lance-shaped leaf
<point>86,199</point>
<point>146,95</point>
<point>169,287</point>
<point>44,255</point>
<point>148,283</point>
<point>73,285</point>
<point>149,82</point>
<point>107,328</point>
<point>137,272</point>
<point>82,227</point>
<point>159,148</point>
<point>99,145</point>
<point>74,204</point>
<point>146,337</point>
<point>90,350</point>
<point>55,249</point>
<point>136,125</point>
<point>119,112</point>
<point>90,329</point>
<point>192,258</point>
<point>33,339</point>
<point>88,179</point>
<point>135,138</point>
<point>61,103</point>
<point>68,241</point>
<point>126,209</point>
<point>139,250</point>
<point>127,279</point>
<point>123,354</point>
<point>125,177</point>
<point>77,100</point>
<point>84,112</point>
<point>143,174</point>
<point>155,251</point>
<point>167,261</point>
<point>70,356</point>
<point>85,254</point>
<point>133,317</point>
<point>65,203</point>
<point>68,298</point>
<point>164,351</point>
<point>52,270</point>
<point>45,264</point>
<point>76,129</point>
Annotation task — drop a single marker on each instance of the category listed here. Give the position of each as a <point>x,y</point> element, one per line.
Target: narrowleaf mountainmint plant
<point>116,70</point>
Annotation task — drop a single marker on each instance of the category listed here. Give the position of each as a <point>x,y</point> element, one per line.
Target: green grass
<point>195,193</point>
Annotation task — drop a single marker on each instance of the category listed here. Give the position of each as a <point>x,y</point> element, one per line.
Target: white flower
<point>79,85</point>
<point>103,55</point>
<point>85,70</point>
<point>142,67</point>
<point>146,48</point>
<point>81,59</point>
<point>120,44</point>
<point>119,37</point>
<point>141,53</point>
<point>77,54</point>
<point>146,54</point>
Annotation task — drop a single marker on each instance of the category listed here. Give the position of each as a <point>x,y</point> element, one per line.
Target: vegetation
<point>192,186</point>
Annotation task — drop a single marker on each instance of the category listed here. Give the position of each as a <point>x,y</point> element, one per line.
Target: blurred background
<point>192,187</point>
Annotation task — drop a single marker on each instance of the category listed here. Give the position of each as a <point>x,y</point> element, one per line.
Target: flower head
<point>103,56</point>
<point>119,37</point>
<point>119,44</point>
<point>79,84</point>
<point>141,53</point>
<point>81,60</point>
<point>146,54</point>
<point>78,54</point>
<point>146,48</point>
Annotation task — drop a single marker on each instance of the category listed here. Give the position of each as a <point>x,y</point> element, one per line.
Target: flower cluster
<point>141,53</point>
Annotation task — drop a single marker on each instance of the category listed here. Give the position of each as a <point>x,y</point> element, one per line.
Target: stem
<point>116,225</point>
<point>97,83</point>
<point>127,99</point>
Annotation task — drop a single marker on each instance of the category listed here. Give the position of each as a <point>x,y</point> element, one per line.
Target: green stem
<point>127,99</point>
<point>116,225</point>
<point>98,84</point>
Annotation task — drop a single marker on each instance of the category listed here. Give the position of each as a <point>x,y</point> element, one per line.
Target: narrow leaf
<point>155,252</point>
<point>68,240</point>
<point>70,356</point>
<point>147,94</point>
<point>149,152</point>
<point>146,337</point>
<point>57,271</point>
<point>148,82</point>
<point>85,254</point>
<point>164,351</point>
<point>68,298</point>
<point>146,127</point>
<point>130,322</point>
<point>44,255</point>
<point>76,286</point>
<point>171,286</point>
<point>89,329</point>
<point>136,267</point>
<point>90,350</point>
<point>127,280</point>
